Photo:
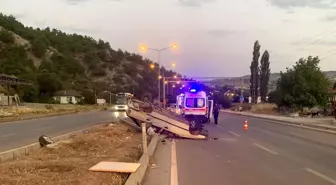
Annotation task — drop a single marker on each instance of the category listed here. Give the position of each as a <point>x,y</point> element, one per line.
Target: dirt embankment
<point>261,108</point>
<point>68,163</point>
<point>31,111</point>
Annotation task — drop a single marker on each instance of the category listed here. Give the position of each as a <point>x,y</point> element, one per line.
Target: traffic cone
<point>245,125</point>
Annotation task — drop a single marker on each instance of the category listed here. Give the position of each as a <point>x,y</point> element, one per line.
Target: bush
<point>6,37</point>
<point>304,85</point>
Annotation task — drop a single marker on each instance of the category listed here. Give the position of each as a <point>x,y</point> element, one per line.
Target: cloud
<point>75,2</point>
<point>290,12</point>
<point>322,4</point>
<point>194,3</point>
<point>330,18</point>
<point>306,43</point>
<point>220,32</point>
<point>288,21</point>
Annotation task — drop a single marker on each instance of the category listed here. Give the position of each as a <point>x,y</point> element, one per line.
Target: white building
<point>67,97</point>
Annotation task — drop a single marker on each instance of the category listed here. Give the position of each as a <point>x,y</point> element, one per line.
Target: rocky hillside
<point>53,60</point>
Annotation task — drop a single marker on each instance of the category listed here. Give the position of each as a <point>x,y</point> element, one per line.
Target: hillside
<point>53,60</point>
<point>237,81</point>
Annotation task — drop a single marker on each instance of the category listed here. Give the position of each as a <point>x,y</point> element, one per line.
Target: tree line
<point>302,85</point>
<point>54,60</point>
<point>260,74</point>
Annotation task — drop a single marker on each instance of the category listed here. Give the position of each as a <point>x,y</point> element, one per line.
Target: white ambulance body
<point>195,105</point>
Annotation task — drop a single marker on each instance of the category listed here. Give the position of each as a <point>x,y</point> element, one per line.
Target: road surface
<point>19,133</point>
<point>266,154</point>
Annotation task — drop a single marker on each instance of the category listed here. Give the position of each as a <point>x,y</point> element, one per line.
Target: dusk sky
<point>214,37</point>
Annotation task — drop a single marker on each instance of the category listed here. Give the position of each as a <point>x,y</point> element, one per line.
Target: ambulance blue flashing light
<point>192,90</point>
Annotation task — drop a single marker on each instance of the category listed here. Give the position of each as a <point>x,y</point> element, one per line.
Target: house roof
<point>67,93</point>
<point>6,79</point>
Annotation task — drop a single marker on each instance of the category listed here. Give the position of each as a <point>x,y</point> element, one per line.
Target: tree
<point>254,80</point>
<point>304,85</point>
<point>264,75</point>
<point>6,37</point>
<point>49,83</point>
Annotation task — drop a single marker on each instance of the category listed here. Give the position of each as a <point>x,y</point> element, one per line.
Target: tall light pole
<point>144,48</point>
<point>110,96</point>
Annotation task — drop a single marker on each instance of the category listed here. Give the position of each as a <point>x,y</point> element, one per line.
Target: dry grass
<point>261,108</point>
<point>42,110</point>
<point>68,164</point>
<point>264,108</point>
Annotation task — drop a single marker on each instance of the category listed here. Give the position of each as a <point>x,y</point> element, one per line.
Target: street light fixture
<point>144,48</point>
<point>152,66</point>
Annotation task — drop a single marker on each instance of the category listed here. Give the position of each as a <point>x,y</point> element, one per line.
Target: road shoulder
<point>158,172</point>
<point>297,122</point>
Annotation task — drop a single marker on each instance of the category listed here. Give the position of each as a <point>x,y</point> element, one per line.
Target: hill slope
<point>237,81</point>
<point>54,60</point>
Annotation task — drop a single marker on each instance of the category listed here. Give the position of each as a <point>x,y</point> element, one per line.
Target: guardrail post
<point>144,139</point>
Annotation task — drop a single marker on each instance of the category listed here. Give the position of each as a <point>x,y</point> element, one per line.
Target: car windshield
<point>121,100</point>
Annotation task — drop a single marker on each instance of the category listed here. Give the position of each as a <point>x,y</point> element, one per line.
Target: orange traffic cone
<point>245,125</point>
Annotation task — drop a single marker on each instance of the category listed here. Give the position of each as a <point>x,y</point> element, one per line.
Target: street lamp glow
<point>178,82</point>
<point>173,65</point>
<point>152,66</point>
<point>160,77</point>
<point>174,46</point>
<point>165,82</point>
<point>175,76</point>
<point>173,86</point>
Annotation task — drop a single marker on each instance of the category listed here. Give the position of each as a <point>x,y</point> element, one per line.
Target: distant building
<point>68,97</point>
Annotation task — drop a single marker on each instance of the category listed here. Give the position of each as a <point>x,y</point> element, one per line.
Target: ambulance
<point>196,106</point>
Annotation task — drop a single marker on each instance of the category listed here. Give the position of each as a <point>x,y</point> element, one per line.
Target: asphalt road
<point>19,133</point>
<point>266,154</point>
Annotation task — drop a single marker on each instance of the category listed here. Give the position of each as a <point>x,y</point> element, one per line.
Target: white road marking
<point>234,134</point>
<point>42,128</point>
<point>266,149</point>
<point>173,165</point>
<point>7,135</point>
<point>324,177</point>
<point>297,135</point>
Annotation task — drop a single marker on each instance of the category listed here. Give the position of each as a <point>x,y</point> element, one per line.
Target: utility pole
<point>164,91</point>
<point>159,61</point>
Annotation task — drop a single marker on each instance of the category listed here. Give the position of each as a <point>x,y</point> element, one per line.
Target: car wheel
<point>45,140</point>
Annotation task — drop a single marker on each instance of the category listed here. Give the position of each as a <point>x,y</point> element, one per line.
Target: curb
<point>137,177</point>
<point>15,153</point>
<point>320,128</point>
<point>41,116</point>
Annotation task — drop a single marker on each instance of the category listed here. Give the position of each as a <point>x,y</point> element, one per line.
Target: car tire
<point>45,140</point>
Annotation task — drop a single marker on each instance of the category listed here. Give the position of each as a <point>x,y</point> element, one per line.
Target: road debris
<point>121,167</point>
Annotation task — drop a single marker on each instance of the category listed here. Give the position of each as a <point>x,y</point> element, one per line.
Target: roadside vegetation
<point>34,110</point>
<point>54,60</point>
<point>303,88</point>
<point>68,162</point>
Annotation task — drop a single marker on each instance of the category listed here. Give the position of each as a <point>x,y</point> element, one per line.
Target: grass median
<point>32,111</point>
<point>68,162</point>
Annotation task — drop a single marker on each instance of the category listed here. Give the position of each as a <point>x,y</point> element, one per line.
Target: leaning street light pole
<point>159,61</point>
